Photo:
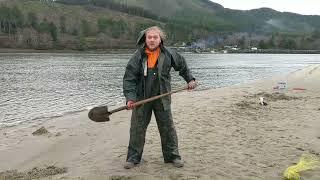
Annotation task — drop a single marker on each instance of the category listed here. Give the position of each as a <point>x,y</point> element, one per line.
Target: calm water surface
<point>37,87</point>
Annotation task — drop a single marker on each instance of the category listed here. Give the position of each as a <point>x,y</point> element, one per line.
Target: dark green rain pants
<point>140,120</point>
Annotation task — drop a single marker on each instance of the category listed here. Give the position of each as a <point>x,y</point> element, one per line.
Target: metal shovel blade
<point>99,114</point>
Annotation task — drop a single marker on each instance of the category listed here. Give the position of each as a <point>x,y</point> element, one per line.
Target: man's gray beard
<point>152,49</point>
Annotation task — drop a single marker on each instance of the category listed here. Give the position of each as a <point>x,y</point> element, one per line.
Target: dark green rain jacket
<point>136,70</point>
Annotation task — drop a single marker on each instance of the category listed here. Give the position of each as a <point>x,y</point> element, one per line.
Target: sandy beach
<point>223,134</point>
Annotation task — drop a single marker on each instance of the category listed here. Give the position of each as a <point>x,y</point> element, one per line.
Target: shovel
<point>101,113</point>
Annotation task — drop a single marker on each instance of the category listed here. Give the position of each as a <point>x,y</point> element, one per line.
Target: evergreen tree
<point>53,31</point>
<point>102,24</point>
<point>118,28</point>
<point>10,19</point>
<point>63,24</point>
<point>32,20</point>
<point>51,28</point>
<point>262,45</point>
<point>85,28</point>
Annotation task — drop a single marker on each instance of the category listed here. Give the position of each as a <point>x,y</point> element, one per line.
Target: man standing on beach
<point>148,74</point>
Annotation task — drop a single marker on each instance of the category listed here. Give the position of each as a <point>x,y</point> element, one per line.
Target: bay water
<point>35,87</point>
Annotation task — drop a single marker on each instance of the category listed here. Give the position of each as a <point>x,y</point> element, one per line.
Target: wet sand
<point>223,134</point>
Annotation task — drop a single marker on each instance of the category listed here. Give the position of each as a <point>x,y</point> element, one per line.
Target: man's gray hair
<point>162,34</point>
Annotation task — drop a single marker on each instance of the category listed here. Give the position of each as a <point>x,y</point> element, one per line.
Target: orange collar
<point>152,57</point>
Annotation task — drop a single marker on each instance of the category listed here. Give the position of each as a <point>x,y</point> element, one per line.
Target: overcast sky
<point>306,7</point>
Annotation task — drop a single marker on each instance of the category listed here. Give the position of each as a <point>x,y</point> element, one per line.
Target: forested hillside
<point>103,24</point>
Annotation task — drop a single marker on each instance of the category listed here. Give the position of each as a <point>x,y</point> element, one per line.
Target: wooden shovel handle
<point>149,99</point>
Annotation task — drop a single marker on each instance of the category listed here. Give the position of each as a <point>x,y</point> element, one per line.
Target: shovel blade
<point>99,114</point>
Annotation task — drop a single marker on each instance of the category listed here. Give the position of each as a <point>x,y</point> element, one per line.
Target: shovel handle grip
<point>158,96</point>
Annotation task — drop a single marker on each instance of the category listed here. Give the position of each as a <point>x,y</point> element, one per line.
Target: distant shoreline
<point>276,51</point>
<point>130,51</point>
<point>98,51</point>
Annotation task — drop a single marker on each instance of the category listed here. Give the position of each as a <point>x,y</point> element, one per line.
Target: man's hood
<point>142,38</point>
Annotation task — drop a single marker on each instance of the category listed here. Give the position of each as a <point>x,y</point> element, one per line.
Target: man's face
<point>153,39</point>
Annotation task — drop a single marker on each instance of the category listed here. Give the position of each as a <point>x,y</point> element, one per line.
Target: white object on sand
<point>282,85</point>
<point>262,103</point>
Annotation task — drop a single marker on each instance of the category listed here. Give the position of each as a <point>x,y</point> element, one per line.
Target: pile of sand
<point>40,131</point>
<point>275,96</point>
<point>34,173</point>
<point>252,101</point>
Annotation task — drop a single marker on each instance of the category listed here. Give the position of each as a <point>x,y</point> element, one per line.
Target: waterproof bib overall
<point>140,120</point>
